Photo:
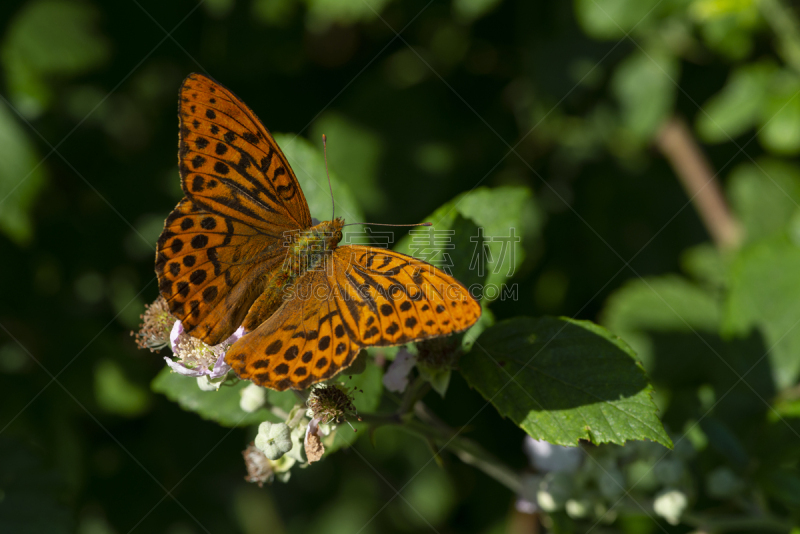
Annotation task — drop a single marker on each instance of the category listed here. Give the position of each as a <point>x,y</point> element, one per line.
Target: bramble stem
<point>676,142</point>
<point>436,432</point>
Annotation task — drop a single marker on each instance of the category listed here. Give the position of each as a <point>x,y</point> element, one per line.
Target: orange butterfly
<point>240,249</point>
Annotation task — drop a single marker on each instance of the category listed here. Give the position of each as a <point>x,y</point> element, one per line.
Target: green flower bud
<point>274,440</point>
<point>578,508</point>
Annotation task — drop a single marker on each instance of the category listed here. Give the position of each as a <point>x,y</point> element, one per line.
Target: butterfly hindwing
<point>361,297</point>
<point>399,298</point>
<point>306,341</point>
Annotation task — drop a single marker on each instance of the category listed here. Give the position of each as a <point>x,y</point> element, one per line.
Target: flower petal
<point>235,336</point>
<point>177,330</point>
<point>180,369</point>
<point>396,377</point>
<point>221,367</point>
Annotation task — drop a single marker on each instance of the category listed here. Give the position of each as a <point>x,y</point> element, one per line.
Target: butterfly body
<point>308,248</point>
<point>241,249</point>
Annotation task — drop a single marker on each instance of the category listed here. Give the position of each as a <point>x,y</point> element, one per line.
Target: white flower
<point>670,504</point>
<point>578,508</point>
<point>273,439</point>
<point>197,359</point>
<point>396,377</point>
<point>547,457</point>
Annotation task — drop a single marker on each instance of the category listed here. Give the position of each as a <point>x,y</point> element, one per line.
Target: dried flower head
<point>259,469</point>
<point>155,327</point>
<point>331,403</point>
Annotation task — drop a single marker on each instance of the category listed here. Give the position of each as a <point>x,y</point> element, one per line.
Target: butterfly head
<point>332,232</point>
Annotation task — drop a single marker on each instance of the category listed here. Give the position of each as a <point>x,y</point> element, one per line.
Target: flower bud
<point>273,439</point>
<point>396,377</point>
<point>554,491</point>
<point>578,508</point>
<point>206,383</point>
<point>252,398</point>
<point>670,504</point>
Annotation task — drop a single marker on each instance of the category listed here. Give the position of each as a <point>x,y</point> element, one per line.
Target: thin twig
<point>676,142</point>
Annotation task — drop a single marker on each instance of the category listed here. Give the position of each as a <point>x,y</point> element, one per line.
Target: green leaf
<point>369,385</point>
<point>730,34</point>
<point>22,176</point>
<point>563,380</point>
<point>439,379</point>
<point>664,304</point>
<point>613,19</point>
<point>115,393</point>
<point>274,12</point>
<point>510,222</point>
<point>644,85</point>
<point>355,152</point>
<point>765,294</point>
<point>50,38</point>
<point>470,10</point>
<point>764,195</point>
<point>221,406</point>
<point>705,264</point>
<point>780,131</point>
<point>322,13</point>
<point>738,106</point>
<point>784,485</point>
<point>308,164</point>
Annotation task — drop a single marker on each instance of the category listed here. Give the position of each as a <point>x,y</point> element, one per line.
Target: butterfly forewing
<point>207,271</point>
<point>229,159</point>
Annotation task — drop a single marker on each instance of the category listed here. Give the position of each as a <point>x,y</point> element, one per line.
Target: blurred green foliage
<point>544,116</point>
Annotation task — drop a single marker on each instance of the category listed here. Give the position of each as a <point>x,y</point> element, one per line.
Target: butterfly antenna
<point>325,151</point>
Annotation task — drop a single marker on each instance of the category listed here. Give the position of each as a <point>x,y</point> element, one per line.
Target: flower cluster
<point>194,358</point>
<point>594,483</point>
<point>197,359</point>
